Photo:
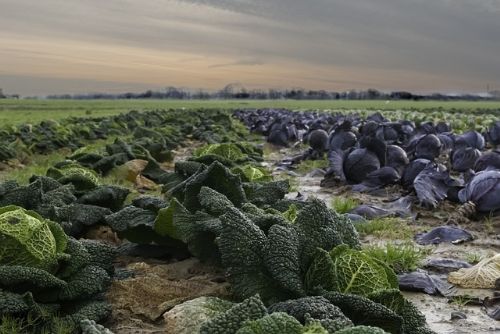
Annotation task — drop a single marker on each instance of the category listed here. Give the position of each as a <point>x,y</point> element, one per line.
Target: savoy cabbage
<point>29,240</point>
<point>350,271</point>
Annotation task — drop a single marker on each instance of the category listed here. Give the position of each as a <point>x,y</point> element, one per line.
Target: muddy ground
<point>151,287</point>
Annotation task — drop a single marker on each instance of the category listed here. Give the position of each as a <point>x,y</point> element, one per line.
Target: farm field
<point>213,217</point>
<point>19,111</point>
<point>249,167</point>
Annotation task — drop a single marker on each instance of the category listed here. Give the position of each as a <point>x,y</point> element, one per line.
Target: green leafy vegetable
<point>316,307</point>
<point>320,227</point>
<point>218,178</point>
<point>291,213</point>
<point>363,311</point>
<point>227,151</point>
<point>29,240</point>
<point>413,320</point>
<point>251,173</point>
<point>242,245</point>
<point>282,258</point>
<point>82,178</point>
<point>276,323</point>
<point>230,321</point>
<point>349,271</point>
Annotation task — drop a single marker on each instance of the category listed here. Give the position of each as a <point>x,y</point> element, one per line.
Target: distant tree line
<point>237,91</point>
<point>11,96</point>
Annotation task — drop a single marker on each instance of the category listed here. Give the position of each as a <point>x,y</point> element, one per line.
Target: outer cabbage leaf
<point>413,320</point>
<point>28,279</point>
<point>266,193</point>
<point>198,230</point>
<point>483,275</point>
<point>264,219</point>
<point>318,227</point>
<point>362,330</point>
<point>317,307</point>
<point>320,273</point>
<point>82,178</point>
<point>282,258</point>
<point>218,178</point>
<point>242,246</point>
<point>363,311</point>
<point>276,323</point>
<point>214,202</point>
<point>231,320</point>
<point>106,196</point>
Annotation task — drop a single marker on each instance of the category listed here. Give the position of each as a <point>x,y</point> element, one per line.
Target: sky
<point>80,46</point>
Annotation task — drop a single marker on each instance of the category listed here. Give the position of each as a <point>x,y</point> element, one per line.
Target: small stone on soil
<point>458,315</point>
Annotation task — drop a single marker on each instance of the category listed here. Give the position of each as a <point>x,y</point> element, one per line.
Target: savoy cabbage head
<point>226,153</point>
<point>82,178</point>
<point>350,271</point>
<point>226,150</point>
<point>29,240</point>
<point>249,173</point>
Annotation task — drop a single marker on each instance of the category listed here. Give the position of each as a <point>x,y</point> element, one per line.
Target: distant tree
<point>275,94</point>
<point>2,96</point>
<point>295,93</point>
<point>258,94</point>
<point>200,95</point>
<point>373,94</point>
<point>352,94</point>
<point>146,95</point>
<point>402,95</point>
<point>231,90</point>
<point>174,93</point>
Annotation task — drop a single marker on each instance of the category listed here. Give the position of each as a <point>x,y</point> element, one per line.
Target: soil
<point>140,301</point>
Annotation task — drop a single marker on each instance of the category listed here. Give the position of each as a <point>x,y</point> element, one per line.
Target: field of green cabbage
<point>176,218</point>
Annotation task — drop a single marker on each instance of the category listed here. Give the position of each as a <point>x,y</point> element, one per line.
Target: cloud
<point>242,62</point>
<point>212,42</point>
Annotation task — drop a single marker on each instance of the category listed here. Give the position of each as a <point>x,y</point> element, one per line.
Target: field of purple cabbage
<point>251,221</point>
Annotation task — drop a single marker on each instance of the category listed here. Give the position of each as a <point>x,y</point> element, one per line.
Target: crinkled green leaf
<point>413,320</point>
<point>227,151</point>
<point>291,213</point>
<point>28,239</point>
<point>164,222</point>
<point>349,271</point>
<point>363,311</point>
<point>214,202</point>
<point>242,245</point>
<point>276,323</point>
<point>251,173</point>
<point>282,258</point>
<point>230,321</point>
<point>218,178</point>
